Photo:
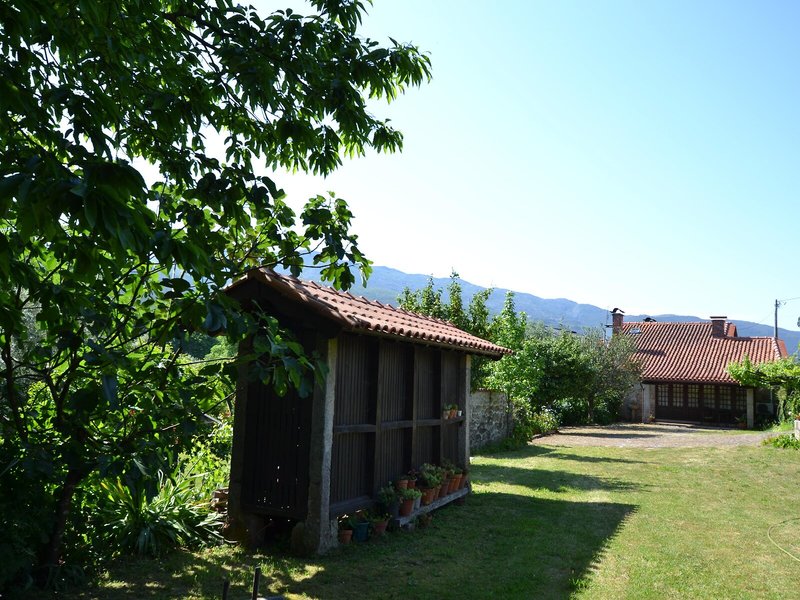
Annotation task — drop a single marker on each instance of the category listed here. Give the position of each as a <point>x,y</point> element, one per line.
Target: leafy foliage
<point>177,515</point>
<point>783,441</point>
<point>783,374</point>
<point>552,377</point>
<point>104,276</point>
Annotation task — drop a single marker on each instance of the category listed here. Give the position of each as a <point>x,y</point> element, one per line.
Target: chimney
<point>718,326</point>
<point>616,320</point>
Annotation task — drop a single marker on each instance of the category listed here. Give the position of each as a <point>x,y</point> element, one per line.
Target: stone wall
<point>490,420</point>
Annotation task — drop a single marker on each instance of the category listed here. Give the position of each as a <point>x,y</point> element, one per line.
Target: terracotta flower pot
<point>412,484</point>
<point>427,496</point>
<point>463,483</point>
<point>345,535</point>
<point>444,487</point>
<point>406,506</point>
<point>379,527</point>
<point>453,412</point>
<point>454,483</point>
<point>401,484</point>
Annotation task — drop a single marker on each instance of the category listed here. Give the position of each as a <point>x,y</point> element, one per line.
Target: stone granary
<point>377,414</point>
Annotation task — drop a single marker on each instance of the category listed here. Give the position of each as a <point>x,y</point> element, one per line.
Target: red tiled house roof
<point>359,315</point>
<point>687,352</point>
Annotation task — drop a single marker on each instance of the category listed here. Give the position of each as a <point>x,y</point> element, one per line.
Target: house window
<point>707,395</point>
<point>693,395</point>
<point>677,395</point>
<point>741,399</point>
<point>662,391</point>
<point>725,398</point>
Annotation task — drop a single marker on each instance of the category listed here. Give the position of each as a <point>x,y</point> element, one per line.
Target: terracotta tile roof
<point>358,314</point>
<point>687,352</point>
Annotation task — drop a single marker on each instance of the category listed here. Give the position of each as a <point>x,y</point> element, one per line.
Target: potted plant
<point>412,475</point>
<point>379,524</point>
<point>446,412</point>
<point>453,408</point>
<point>388,500</point>
<point>360,524</point>
<point>345,529</point>
<point>432,477</point>
<point>464,478</point>
<point>401,482</point>
<point>455,480</point>
<point>407,498</point>
<point>741,422</point>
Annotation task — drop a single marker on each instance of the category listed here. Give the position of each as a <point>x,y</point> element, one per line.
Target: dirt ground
<point>654,435</point>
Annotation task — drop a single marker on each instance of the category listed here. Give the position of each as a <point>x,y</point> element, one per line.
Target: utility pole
<point>777,305</point>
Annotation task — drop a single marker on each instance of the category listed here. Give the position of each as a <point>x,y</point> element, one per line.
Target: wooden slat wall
<point>391,460</point>
<point>356,380</point>
<point>387,415</point>
<point>275,478</point>
<point>351,466</point>
<point>396,391</point>
<point>450,379</point>
<point>427,364</point>
<point>426,445</point>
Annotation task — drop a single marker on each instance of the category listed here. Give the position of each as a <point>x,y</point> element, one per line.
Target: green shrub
<point>544,421</point>
<point>783,441</point>
<point>571,411</point>
<point>177,515</point>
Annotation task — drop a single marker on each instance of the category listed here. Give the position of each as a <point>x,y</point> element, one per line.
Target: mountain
<point>385,285</point>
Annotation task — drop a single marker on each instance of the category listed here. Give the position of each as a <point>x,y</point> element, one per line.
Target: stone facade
<point>490,420</point>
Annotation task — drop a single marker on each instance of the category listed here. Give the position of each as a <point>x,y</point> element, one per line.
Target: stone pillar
<point>648,407</point>
<point>319,532</point>
<point>797,429</point>
<point>751,409</point>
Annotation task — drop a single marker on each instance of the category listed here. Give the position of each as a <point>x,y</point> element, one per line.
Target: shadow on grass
<point>545,479</point>
<point>561,455</point>
<point>499,544</point>
<point>622,434</point>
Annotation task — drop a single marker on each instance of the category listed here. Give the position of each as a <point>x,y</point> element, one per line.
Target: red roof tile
<point>687,352</point>
<point>356,313</point>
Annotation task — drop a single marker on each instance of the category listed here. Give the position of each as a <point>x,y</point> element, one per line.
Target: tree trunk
<point>50,553</point>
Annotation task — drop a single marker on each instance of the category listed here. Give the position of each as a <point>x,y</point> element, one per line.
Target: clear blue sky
<point>635,154</point>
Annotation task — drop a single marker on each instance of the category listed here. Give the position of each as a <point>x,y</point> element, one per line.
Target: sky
<point>642,155</point>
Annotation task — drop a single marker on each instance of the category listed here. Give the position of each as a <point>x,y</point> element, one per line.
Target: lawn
<point>545,522</point>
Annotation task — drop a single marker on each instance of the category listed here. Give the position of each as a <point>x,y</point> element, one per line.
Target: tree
<point>612,372</point>
<point>117,272</point>
<point>475,320</point>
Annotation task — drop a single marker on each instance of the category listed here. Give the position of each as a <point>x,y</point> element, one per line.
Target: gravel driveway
<point>655,435</point>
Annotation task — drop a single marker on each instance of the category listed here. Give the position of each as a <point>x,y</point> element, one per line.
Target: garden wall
<point>490,420</point>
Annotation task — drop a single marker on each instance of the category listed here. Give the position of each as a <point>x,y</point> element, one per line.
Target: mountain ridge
<point>386,283</point>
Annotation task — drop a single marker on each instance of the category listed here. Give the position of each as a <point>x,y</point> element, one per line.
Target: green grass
<point>545,522</point>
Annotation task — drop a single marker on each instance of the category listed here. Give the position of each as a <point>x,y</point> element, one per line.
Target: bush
<point>571,411</point>
<point>783,441</point>
<point>177,515</point>
<point>544,421</point>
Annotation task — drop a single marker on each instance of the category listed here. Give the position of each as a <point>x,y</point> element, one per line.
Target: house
<point>685,375</point>
<point>377,414</point>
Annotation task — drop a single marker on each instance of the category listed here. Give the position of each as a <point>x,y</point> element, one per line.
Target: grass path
<point>547,522</point>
